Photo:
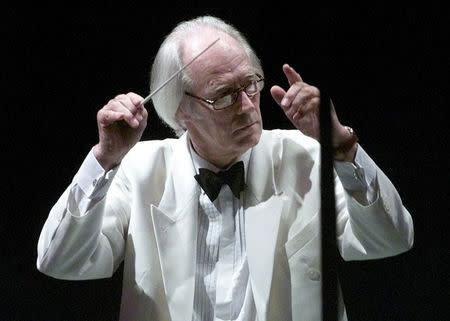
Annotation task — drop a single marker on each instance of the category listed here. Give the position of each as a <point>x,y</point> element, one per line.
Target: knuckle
<point>290,95</point>
<point>308,90</point>
<point>291,112</point>
<point>311,91</point>
<point>120,96</point>
<point>111,103</point>
<point>102,111</point>
<point>315,100</point>
<point>315,91</point>
<point>103,115</point>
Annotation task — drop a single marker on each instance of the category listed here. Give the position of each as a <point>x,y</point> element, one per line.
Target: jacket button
<point>313,274</point>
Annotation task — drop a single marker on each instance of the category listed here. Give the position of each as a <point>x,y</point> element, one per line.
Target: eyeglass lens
<point>251,89</point>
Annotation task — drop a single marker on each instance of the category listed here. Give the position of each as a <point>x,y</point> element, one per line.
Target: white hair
<point>168,61</point>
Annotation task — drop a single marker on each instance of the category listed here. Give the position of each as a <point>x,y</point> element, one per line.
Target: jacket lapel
<point>175,224</point>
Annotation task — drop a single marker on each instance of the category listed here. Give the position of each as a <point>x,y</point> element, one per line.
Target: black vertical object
<point>328,214</point>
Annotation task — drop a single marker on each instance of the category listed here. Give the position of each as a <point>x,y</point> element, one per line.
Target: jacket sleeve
<point>381,228</point>
<point>80,238</point>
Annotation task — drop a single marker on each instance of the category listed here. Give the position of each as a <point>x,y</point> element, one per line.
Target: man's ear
<point>182,115</point>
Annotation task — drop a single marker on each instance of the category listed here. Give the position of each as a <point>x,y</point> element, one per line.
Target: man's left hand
<point>301,103</point>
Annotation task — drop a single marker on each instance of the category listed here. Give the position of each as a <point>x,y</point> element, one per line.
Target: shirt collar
<point>200,162</point>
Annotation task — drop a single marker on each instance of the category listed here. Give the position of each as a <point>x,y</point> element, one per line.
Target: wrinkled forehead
<point>225,61</point>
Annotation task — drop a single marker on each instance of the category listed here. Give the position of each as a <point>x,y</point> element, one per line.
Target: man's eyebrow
<point>224,87</point>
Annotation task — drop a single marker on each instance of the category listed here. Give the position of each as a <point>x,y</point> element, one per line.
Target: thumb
<point>277,94</point>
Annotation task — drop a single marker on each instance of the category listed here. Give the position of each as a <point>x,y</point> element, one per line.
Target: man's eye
<point>224,93</point>
<point>225,98</point>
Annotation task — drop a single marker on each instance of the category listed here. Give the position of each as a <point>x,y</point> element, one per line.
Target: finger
<point>141,114</point>
<point>277,94</point>
<point>291,75</point>
<point>120,106</point>
<point>135,99</point>
<point>293,92</point>
<point>283,98</point>
<point>126,113</point>
<point>128,102</point>
<point>107,117</point>
<point>143,119</point>
<point>300,111</point>
<point>124,99</point>
<point>308,108</point>
<point>307,94</point>
<point>300,100</point>
<point>131,101</point>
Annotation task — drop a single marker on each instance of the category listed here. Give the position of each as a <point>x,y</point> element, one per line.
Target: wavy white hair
<point>168,61</point>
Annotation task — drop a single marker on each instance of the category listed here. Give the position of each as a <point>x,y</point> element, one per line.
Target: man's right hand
<point>121,123</point>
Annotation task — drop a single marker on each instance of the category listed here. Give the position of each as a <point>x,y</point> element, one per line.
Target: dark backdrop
<point>387,70</point>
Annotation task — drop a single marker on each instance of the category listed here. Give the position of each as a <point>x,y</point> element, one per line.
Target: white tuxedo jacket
<point>148,218</point>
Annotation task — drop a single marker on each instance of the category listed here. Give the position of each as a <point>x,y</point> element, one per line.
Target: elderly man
<point>245,249</point>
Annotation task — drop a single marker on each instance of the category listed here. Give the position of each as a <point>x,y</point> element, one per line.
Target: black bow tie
<point>212,182</point>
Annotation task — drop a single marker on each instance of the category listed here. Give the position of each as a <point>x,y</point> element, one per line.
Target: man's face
<point>223,134</point>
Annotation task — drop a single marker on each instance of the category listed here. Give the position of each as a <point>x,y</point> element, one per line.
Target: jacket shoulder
<point>291,139</point>
<point>149,156</point>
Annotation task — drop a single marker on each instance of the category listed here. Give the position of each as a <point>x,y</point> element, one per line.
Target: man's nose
<point>245,102</point>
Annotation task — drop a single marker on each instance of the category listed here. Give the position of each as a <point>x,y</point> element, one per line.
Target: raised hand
<point>301,104</point>
<point>121,123</point>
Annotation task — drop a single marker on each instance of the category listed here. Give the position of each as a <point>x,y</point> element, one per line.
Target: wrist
<point>104,158</point>
<point>345,149</point>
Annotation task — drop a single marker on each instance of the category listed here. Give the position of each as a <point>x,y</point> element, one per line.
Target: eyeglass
<point>251,89</point>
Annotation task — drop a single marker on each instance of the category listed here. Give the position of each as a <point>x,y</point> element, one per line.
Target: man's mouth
<point>245,126</point>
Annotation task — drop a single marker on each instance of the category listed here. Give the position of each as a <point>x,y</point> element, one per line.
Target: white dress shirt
<point>222,283</point>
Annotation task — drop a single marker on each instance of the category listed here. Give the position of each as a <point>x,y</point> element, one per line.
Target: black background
<point>387,71</point>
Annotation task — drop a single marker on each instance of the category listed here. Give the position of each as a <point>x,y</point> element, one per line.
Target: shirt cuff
<point>92,178</point>
<point>357,176</point>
